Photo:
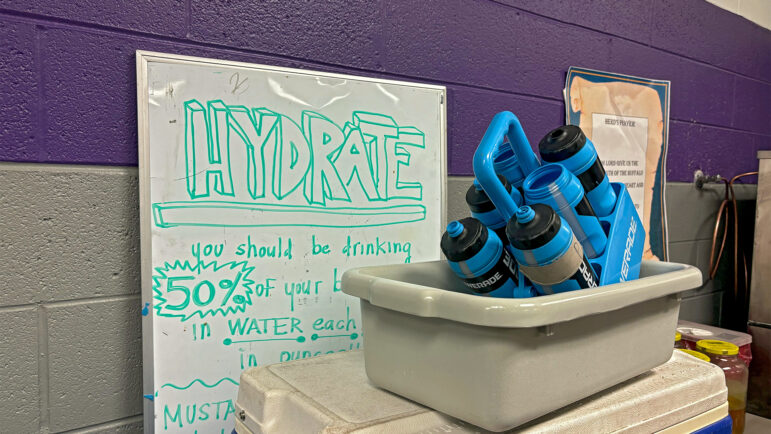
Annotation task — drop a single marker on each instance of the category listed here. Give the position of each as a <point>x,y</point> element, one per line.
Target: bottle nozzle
<point>454,229</point>
<point>525,214</point>
<point>477,185</point>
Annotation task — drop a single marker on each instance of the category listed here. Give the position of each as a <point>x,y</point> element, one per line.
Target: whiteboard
<point>259,187</point>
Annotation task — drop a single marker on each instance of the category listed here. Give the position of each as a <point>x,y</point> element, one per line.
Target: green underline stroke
<point>198,380</point>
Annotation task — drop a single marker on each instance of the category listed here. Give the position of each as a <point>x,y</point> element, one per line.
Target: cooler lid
<point>332,394</point>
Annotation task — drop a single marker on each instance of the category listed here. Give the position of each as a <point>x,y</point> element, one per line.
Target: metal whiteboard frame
<point>143,59</point>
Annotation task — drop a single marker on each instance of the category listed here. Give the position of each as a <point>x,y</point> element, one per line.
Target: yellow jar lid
<point>713,346</point>
<point>678,336</point>
<point>696,354</point>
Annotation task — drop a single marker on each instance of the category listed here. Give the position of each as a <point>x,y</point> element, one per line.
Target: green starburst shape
<point>183,290</point>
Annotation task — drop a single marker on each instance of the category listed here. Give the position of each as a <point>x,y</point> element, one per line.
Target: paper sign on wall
<point>627,119</point>
<point>259,187</point>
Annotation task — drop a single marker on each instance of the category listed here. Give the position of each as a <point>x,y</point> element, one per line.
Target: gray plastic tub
<point>498,363</point>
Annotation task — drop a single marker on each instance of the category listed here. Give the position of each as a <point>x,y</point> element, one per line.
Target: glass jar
<point>726,356</point>
<point>679,340</point>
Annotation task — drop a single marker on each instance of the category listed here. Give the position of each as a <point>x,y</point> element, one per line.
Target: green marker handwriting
<point>255,214</point>
<point>377,247</point>
<point>185,290</point>
<point>287,355</point>
<point>228,341</point>
<point>245,326</point>
<point>315,161</point>
<point>352,336</point>
<point>188,414</point>
<point>305,287</point>
<point>201,382</point>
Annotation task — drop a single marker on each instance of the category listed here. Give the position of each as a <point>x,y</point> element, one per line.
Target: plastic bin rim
<point>664,279</point>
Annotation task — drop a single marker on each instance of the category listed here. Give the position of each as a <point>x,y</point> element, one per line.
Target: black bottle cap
<point>477,199</point>
<point>543,227</point>
<point>561,143</point>
<point>464,246</point>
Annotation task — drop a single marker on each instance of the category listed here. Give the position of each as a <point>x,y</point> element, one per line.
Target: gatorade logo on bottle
<point>477,256</point>
<point>628,249</point>
<point>494,278</point>
<point>584,275</point>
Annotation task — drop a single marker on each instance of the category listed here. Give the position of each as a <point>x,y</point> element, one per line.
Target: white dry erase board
<point>259,187</point>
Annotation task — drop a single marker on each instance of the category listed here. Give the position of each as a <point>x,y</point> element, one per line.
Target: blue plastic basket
<point>620,261</point>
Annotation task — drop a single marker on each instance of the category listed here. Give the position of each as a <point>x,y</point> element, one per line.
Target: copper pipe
<point>746,280</point>
<point>714,262</point>
<point>736,235</point>
<point>736,240</point>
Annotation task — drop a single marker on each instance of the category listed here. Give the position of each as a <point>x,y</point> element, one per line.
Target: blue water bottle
<point>567,145</point>
<point>477,256</point>
<point>483,209</point>
<point>505,163</point>
<point>547,251</point>
<point>555,186</point>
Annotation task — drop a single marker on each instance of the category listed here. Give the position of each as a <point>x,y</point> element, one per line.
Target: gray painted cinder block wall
<point>691,215</point>
<point>72,357</point>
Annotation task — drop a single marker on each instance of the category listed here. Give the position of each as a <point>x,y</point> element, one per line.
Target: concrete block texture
<point>19,91</point>
<point>456,197</point>
<point>603,15</point>
<point>81,60</point>
<point>339,31</point>
<point>704,309</point>
<point>68,232</point>
<point>470,111</point>
<point>695,253</point>
<point>94,362</point>
<point>713,150</point>
<point>73,65</point>
<point>165,17</point>
<point>691,212</point>
<point>132,425</point>
<point>676,25</point>
<point>19,392</point>
<point>89,100</point>
<point>752,103</point>
<point>487,44</point>
<point>90,110</point>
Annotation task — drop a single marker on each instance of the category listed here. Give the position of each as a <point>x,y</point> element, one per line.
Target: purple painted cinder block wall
<point>67,73</point>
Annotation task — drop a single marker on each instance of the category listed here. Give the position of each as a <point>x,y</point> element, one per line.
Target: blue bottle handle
<point>504,123</point>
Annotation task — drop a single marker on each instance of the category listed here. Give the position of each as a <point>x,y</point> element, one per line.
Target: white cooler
<point>331,394</point>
